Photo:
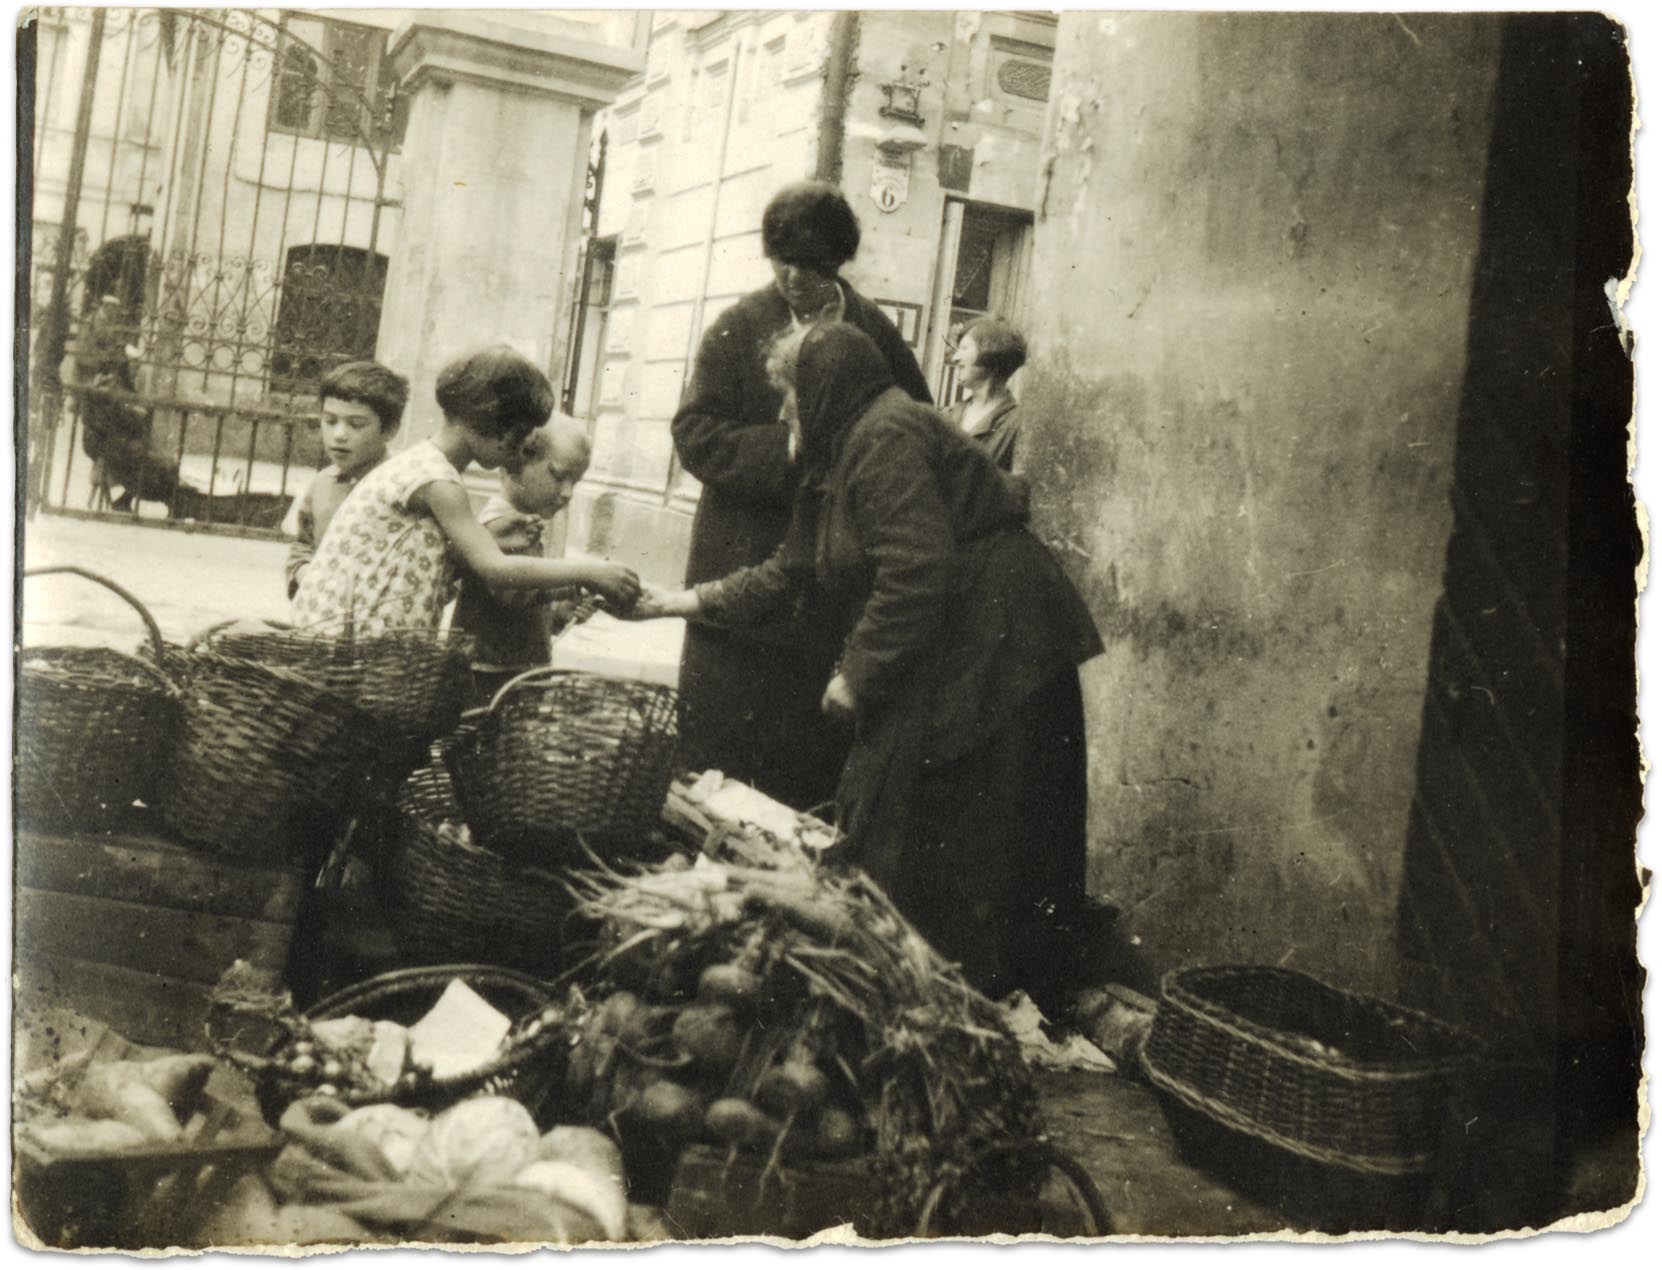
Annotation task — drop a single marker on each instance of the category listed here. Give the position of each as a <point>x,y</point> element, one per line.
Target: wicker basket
<point>562,753</point>
<point>270,761</point>
<point>96,728</point>
<point>447,898</point>
<point>526,1073</point>
<point>414,683</point>
<point>1265,1067</point>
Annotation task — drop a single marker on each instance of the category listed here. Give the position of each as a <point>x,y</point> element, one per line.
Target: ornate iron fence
<point>213,192</point>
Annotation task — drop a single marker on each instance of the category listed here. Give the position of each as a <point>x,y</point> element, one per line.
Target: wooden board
<point>712,1199</point>
<point>147,1008</point>
<point>133,930</point>
<point>152,871</point>
<point>167,941</point>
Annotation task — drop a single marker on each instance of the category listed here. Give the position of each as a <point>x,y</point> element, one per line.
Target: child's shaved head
<point>555,457</point>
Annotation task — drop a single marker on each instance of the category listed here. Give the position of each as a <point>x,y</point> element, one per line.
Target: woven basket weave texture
<point>269,761</point>
<point>1330,1075</point>
<point>96,728</point>
<point>564,753</point>
<point>449,898</point>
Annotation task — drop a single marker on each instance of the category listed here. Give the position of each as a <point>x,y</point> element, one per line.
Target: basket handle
<point>536,672</point>
<point>155,632</point>
<point>207,633</point>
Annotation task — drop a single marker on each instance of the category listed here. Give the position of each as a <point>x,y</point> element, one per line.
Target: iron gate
<point>211,204</point>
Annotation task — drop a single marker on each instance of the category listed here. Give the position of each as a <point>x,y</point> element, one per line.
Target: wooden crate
<point>134,930</point>
<point>149,1196</point>
<point>714,1199</point>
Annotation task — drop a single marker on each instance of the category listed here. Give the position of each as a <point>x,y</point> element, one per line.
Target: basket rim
<point>357,994</point>
<point>158,678</point>
<point>472,847</point>
<point>1180,990</point>
<point>1231,1117</point>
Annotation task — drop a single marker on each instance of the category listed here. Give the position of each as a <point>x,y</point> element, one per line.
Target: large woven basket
<point>96,728</point>
<point>561,753</point>
<point>450,899</point>
<point>1281,1060</point>
<point>413,683</point>
<point>527,1072</point>
<point>270,762</point>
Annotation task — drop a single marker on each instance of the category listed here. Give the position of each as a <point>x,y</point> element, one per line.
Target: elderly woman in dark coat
<point>964,791</point>
<point>751,697</point>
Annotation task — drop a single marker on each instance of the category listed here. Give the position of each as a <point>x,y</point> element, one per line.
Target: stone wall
<point>1257,235</point>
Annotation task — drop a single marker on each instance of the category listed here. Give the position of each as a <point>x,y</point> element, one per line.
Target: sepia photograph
<point>647,626</point>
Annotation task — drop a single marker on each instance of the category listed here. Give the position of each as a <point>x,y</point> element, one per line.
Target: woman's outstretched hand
<point>657,602</point>
<point>619,584</point>
<point>838,701</point>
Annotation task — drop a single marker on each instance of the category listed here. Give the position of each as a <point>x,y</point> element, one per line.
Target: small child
<point>362,405</point>
<point>388,561</point>
<point>512,631</point>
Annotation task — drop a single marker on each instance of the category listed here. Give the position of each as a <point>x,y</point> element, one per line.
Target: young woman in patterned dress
<point>388,560</point>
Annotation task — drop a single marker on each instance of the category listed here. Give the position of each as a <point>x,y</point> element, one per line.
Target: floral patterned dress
<point>382,565</point>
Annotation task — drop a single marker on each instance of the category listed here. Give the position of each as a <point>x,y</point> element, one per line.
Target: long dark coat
<point>962,639</point>
<point>751,698</point>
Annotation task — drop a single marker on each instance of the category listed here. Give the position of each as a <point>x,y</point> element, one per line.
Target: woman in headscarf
<point>751,697</point>
<point>964,791</point>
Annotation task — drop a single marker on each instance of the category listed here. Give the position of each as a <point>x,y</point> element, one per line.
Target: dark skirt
<point>985,854</point>
<point>751,711</point>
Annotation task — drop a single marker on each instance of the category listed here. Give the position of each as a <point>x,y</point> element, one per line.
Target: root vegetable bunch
<point>789,1014</point>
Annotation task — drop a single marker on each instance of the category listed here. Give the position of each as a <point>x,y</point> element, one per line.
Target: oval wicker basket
<point>1330,1077</point>
<point>526,1073</point>
<point>413,683</point>
<point>449,898</point>
<point>270,762</point>
<point>96,728</point>
<point>561,753</point>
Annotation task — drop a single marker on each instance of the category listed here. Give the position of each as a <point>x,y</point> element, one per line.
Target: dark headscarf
<point>839,372</point>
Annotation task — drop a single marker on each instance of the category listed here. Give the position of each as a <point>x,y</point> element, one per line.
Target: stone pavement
<point>191,580</point>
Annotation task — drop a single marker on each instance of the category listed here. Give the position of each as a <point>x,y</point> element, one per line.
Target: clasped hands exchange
<point>837,702</point>
<point>626,597</point>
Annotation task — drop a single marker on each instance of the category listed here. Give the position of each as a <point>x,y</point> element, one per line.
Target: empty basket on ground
<point>95,727</point>
<point>560,753</point>
<point>269,762</point>
<point>414,683</point>
<point>448,898</point>
<point>1326,1103</point>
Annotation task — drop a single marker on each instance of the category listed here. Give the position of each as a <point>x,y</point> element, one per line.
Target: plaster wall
<point>1256,237</point>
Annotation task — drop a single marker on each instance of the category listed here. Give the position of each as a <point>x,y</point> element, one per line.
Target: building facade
<point>238,185</point>
<point>929,120</point>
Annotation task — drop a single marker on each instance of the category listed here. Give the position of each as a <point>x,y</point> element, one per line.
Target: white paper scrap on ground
<point>460,1034</point>
<point>1026,1021</point>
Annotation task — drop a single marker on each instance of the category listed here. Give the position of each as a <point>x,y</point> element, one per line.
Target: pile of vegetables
<point>787,1013</point>
<point>78,1106</point>
<point>359,1060</point>
<point>479,1169</point>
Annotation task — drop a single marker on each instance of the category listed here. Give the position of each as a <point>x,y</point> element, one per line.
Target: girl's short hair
<point>496,391</point>
<point>810,223</point>
<point>999,346</point>
<point>384,391</point>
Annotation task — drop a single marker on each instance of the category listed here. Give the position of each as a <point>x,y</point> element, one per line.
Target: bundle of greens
<point>791,1013</point>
